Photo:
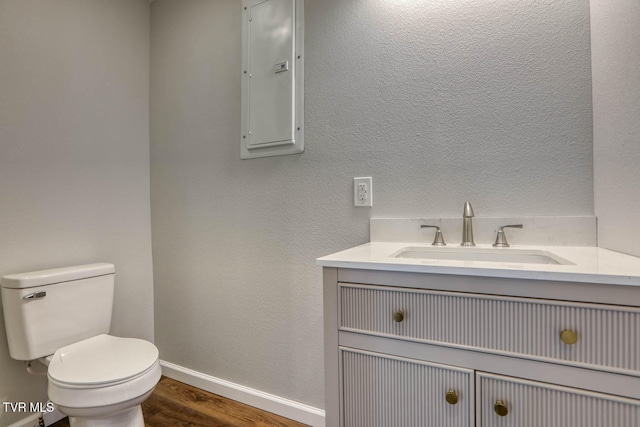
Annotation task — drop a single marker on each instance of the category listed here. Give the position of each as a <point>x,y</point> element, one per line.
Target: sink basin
<point>508,255</point>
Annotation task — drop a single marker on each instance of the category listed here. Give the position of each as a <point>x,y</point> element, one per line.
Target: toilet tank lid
<point>56,275</point>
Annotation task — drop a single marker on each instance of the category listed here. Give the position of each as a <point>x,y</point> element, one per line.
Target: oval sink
<point>508,255</point>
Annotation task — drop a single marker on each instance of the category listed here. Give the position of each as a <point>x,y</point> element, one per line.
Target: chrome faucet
<point>467,226</point>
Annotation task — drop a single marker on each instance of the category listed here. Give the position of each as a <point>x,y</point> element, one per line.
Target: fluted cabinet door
<point>386,391</point>
<point>513,402</point>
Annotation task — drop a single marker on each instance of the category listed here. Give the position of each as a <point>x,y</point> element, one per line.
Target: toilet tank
<point>48,309</point>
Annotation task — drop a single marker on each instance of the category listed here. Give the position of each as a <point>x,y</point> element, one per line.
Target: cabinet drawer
<point>382,391</point>
<point>523,403</point>
<point>607,337</point>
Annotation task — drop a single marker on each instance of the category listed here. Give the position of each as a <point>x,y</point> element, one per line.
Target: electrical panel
<point>272,78</point>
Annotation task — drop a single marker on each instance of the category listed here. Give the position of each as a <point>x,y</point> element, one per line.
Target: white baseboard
<point>29,421</point>
<point>33,420</point>
<point>268,402</point>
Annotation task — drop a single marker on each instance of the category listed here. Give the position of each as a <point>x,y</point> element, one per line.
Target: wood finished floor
<point>176,404</point>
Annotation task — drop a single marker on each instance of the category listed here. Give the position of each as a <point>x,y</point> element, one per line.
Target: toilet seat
<point>101,361</point>
<point>102,400</point>
<point>101,371</point>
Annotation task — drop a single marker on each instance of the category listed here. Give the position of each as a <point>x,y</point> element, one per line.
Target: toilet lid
<point>102,359</point>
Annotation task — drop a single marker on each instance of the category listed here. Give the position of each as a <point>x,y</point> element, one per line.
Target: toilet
<point>62,318</point>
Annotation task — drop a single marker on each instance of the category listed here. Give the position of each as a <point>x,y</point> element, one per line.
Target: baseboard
<point>267,402</point>
<point>33,420</point>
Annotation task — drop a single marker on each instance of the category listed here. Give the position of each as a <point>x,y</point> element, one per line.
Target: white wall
<point>74,154</point>
<point>439,101</point>
<point>615,39</point>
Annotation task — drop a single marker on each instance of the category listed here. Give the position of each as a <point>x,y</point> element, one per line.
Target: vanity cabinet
<point>513,352</point>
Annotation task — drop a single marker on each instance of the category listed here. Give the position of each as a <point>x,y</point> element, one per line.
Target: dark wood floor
<point>176,404</point>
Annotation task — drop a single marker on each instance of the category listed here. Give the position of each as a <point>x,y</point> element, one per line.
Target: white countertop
<point>590,264</point>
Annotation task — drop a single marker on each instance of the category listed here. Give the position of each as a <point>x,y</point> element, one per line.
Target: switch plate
<point>362,191</point>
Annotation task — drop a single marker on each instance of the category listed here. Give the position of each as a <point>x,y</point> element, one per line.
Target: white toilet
<point>62,317</point>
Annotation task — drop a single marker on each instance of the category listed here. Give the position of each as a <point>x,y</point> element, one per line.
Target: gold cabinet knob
<point>500,408</point>
<point>452,397</point>
<point>398,316</point>
<point>569,337</point>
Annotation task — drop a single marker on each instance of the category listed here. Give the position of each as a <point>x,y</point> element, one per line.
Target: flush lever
<point>36,295</point>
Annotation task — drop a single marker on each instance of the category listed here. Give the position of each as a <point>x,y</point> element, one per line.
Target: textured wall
<point>74,154</point>
<point>615,35</point>
<point>439,101</point>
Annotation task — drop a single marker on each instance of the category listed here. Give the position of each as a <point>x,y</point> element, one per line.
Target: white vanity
<point>415,341</point>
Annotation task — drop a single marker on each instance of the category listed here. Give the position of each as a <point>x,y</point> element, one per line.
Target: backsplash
<point>538,230</point>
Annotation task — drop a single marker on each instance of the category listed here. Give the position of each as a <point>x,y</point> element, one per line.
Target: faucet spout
<point>467,225</point>
<point>468,210</point>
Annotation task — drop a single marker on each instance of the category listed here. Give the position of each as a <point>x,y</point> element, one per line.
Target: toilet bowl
<point>62,317</point>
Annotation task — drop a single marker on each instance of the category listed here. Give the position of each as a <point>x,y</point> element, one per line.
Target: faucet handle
<point>438,240</point>
<point>501,238</point>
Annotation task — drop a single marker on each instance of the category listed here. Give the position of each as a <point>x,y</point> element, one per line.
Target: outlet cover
<point>362,192</point>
